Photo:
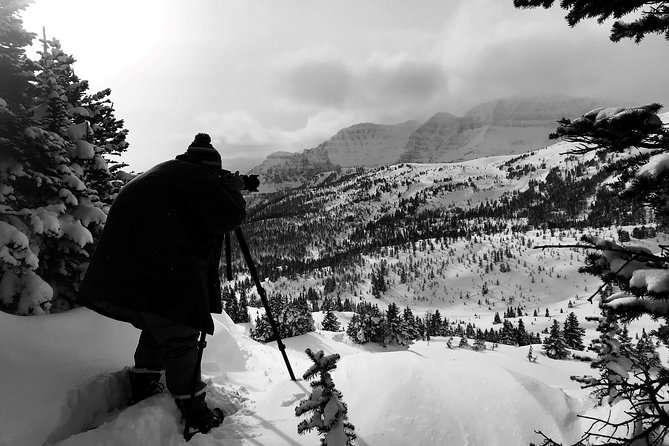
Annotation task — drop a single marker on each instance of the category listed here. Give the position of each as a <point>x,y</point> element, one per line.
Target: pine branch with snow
<point>327,411</point>
<point>636,143</point>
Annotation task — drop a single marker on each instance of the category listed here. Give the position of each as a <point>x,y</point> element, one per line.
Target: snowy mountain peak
<point>501,127</point>
<point>369,144</point>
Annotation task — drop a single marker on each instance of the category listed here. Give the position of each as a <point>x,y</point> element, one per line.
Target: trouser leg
<point>149,354</point>
<point>176,347</point>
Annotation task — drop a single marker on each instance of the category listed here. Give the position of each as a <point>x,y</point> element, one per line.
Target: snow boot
<point>143,384</point>
<point>202,418</point>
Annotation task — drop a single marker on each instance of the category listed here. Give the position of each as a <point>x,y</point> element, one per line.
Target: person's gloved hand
<point>234,181</point>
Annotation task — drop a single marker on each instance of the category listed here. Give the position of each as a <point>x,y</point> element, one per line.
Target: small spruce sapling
<point>329,414</point>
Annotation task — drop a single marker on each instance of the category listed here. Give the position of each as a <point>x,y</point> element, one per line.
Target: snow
<point>655,167</point>
<point>31,289</point>
<point>82,150</point>
<point>75,231</point>
<point>654,280</point>
<point>63,376</point>
<point>14,246</point>
<point>87,213</point>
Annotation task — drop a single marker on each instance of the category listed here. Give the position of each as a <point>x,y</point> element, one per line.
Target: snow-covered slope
<point>61,373</point>
<point>63,376</point>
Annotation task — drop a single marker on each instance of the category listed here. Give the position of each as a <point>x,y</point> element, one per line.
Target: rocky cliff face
<point>282,170</point>
<point>502,127</point>
<point>369,144</point>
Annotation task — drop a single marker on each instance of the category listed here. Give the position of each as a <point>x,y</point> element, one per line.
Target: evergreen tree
<point>507,334</point>
<point>464,342</point>
<point>230,304</point>
<point>398,331</point>
<point>296,319</point>
<point>262,330</point>
<point>435,324</point>
<point>57,183</point>
<point>379,280</point>
<point>654,17</point>
<point>421,330</point>
<point>328,412</point>
<point>374,325</point>
<point>497,319</point>
<point>243,308</point>
<point>354,330</point>
<point>616,135</point>
<point>573,333</point>
<point>479,344</point>
<point>410,322</point>
<point>330,322</point>
<point>554,345</point>
<point>522,337</point>
<point>292,318</point>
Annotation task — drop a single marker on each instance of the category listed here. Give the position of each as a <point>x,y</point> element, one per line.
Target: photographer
<point>157,267</point>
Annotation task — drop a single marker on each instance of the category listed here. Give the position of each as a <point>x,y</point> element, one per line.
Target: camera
<point>251,182</point>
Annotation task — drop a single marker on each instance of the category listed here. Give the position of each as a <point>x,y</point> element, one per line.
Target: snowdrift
<point>63,380</point>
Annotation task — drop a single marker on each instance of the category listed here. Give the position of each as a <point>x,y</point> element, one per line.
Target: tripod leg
<point>228,257</point>
<point>202,343</point>
<point>263,297</point>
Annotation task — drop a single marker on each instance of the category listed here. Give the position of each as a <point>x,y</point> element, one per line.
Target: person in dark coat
<point>156,266</point>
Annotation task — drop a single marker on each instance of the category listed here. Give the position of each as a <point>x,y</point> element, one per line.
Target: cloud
<point>399,77</point>
<point>324,83</point>
<point>372,87</point>
<point>238,133</point>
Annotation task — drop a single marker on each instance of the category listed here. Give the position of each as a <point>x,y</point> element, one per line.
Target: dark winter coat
<point>160,248</point>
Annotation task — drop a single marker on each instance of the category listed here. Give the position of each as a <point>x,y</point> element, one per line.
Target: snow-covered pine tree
<point>330,322</point>
<point>296,319</point>
<point>507,334</point>
<point>635,143</point>
<point>479,344</point>
<point>397,331</point>
<point>522,336</point>
<point>51,210</point>
<point>262,330</point>
<point>464,342</point>
<point>327,411</point>
<point>243,307</point>
<point>554,345</point>
<point>293,318</point>
<point>631,374</point>
<point>573,333</point>
<point>374,325</point>
<point>354,330</point>
<point>410,321</point>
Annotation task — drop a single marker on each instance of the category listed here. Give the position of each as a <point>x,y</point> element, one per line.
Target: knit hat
<point>202,152</point>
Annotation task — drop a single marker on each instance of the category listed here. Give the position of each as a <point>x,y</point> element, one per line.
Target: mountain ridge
<point>500,127</point>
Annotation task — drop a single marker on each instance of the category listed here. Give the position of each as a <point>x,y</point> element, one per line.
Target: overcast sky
<point>268,75</point>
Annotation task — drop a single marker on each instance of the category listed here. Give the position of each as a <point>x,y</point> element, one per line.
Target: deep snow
<point>61,373</point>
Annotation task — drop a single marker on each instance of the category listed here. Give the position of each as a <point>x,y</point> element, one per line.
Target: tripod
<point>202,342</point>
<point>261,291</point>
